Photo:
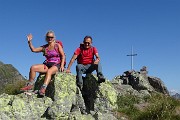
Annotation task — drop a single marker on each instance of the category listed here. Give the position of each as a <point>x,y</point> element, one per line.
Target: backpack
<point>81,48</point>
<point>55,47</point>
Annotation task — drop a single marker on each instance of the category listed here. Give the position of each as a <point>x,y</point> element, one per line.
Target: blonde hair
<point>50,31</point>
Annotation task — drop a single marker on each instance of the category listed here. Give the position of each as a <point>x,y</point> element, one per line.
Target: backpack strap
<point>44,49</point>
<point>56,47</point>
<point>92,48</point>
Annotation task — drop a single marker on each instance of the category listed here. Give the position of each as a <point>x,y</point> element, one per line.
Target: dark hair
<point>86,37</point>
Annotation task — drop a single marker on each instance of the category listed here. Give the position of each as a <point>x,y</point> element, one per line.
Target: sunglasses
<point>49,36</point>
<point>87,43</point>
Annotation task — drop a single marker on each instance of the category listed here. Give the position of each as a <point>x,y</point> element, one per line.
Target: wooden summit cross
<point>132,55</point>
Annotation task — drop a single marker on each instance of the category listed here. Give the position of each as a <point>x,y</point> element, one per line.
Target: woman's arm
<point>61,51</point>
<point>33,49</point>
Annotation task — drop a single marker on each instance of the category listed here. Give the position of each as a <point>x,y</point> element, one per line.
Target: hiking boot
<point>84,112</point>
<point>80,86</point>
<point>27,87</point>
<point>101,79</point>
<point>42,91</point>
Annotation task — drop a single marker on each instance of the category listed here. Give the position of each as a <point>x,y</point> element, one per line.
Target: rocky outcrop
<point>22,106</point>
<point>65,101</point>
<point>138,84</point>
<point>158,85</point>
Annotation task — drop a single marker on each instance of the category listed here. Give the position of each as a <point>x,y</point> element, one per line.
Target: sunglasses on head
<point>49,36</point>
<point>88,43</point>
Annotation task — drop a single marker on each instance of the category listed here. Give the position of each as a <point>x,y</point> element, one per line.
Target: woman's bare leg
<point>37,68</point>
<point>49,73</point>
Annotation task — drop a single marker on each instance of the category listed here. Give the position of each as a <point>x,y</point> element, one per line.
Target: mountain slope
<point>10,78</point>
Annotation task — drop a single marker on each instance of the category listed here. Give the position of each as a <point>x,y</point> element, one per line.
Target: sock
<point>100,74</point>
<point>44,86</point>
<point>30,83</point>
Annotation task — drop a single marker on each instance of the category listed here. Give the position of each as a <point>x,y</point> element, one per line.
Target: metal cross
<point>132,55</point>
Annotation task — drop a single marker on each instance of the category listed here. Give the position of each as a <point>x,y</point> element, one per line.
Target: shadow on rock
<point>89,91</point>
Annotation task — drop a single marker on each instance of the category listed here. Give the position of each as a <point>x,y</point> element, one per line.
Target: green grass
<point>126,105</point>
<point>160,107</point>
<point>14,89</point>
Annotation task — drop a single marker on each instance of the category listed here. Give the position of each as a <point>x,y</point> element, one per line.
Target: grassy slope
<point>157,107</point>
<point>10,79</point>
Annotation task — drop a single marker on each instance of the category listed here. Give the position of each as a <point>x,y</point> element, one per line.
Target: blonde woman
<point>55,59</point>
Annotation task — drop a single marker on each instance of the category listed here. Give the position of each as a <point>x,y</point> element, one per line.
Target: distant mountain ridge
<point>177,96</point>
<point>173,92</point>
<point>10,78</point>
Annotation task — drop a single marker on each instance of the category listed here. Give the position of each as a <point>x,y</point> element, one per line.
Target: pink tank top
<point>52,56</point>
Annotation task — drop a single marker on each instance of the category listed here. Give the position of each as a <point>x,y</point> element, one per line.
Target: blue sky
<point>152,27</point>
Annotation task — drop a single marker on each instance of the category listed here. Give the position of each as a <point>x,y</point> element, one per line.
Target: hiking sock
<point>44,86</point>
<point>99,74</point>
<point>30,83</point>
<point>101,78</point>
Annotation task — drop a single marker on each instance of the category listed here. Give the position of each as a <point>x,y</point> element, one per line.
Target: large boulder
<point>158,85</point>
<point>138,83</point>
<point>63,100</point>
<point>22,106</point>
<point>99,97</point>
